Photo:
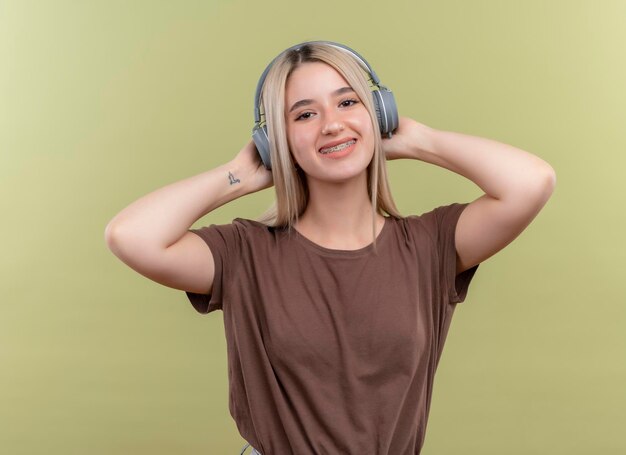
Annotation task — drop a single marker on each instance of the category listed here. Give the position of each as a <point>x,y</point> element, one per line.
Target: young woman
<point>336,307</point>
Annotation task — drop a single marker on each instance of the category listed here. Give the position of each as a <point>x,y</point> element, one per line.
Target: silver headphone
<point>383,100</point>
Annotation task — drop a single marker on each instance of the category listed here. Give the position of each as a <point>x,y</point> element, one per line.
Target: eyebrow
<point>339,91</point>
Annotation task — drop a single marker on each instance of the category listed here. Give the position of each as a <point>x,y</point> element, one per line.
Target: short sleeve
<point>224,242</point>
<point>443,221</point>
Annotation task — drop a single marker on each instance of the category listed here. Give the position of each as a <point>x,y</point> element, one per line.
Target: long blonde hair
<point>290,182</point>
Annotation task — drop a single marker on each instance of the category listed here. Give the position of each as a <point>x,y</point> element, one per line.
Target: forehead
<point>312,79</point>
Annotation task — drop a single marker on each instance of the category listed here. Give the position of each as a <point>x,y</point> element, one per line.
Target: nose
<point>333,125</point>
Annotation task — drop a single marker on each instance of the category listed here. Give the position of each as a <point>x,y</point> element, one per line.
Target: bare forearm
<point>500,170</point>
<point>161,217</point>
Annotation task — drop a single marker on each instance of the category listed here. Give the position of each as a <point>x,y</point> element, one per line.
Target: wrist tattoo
<point>232,180</point>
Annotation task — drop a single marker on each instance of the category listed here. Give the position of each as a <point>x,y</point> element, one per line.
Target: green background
<point>102,102</point>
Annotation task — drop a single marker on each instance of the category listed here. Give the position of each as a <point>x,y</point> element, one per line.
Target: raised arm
<point>516,183</point>
<point>151,235</point>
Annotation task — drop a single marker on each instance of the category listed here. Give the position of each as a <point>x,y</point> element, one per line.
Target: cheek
<point>296,148</point>
<point>368,131</point>
<point>365,122</point>
<point>299,142</point>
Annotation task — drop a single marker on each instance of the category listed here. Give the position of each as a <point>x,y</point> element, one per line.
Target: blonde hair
<point>290,182</point>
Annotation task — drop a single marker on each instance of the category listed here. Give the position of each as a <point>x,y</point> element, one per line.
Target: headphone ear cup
<point>386,110</point>
<point>262,143</point>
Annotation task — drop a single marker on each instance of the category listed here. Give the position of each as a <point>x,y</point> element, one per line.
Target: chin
<point>344,175</point>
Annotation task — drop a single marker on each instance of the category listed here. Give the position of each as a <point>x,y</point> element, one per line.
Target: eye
<point>350,102</point>
<point>302,116</point>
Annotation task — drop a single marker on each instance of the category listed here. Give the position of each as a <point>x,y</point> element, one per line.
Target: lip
<point>340,141</point>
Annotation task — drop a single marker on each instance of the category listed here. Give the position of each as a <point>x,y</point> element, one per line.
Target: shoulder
<point>440,214</point>
<point>253,232</point>
<point>432,222</point>
<point>235,237</point>
<point>237,229</point>
<point>240,228</point>
<point>253,226</point>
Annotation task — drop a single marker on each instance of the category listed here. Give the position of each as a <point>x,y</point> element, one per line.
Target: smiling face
<point>329,130</point>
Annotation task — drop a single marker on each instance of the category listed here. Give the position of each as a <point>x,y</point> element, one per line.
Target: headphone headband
<point>366,66</point>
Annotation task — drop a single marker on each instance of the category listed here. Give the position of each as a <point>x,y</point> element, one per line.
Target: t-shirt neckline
<point>309,244</point>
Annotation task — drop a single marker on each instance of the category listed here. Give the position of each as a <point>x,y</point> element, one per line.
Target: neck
<point>339,215</point>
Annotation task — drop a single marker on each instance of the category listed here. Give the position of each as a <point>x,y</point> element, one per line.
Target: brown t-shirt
<point>334,351</point>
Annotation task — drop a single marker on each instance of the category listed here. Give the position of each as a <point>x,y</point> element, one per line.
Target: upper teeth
<point>338,147</point>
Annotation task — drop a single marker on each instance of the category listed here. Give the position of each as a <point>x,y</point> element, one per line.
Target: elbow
<point>111,237</point>
<point>543,185</point>
<point>109,233</point>
<point>548,180</point>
